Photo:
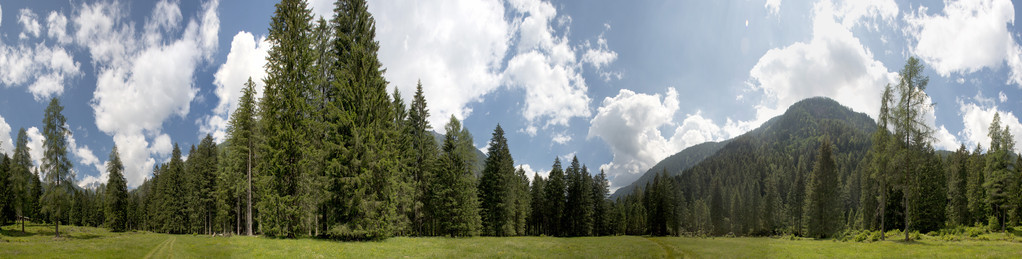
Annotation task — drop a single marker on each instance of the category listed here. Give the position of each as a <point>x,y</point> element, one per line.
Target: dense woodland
<point>327,152</point>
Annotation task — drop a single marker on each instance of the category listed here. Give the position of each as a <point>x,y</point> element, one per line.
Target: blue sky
<point>620,84</point>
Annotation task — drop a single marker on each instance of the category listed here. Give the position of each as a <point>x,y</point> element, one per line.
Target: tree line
<point>326,152</point>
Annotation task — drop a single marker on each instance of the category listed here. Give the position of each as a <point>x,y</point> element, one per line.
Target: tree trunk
<point>249,215</point>
<point>883,207</point>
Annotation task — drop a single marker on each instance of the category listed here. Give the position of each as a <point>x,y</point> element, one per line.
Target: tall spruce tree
<point>455,203</point>
<point>957,191</point>
<point>56,165</point>
<point>360,157</point>
<point>554,198</point>
<point>823,199</point>
<point>497,189</point>
<point>117,193</point>
<point>23,180</point>
<point>285,109</point>
<point>241,144</point>
<point>1000,181</point>
<point>424,150</point>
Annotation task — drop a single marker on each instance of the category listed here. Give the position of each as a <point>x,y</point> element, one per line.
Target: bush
<point>992,224</point>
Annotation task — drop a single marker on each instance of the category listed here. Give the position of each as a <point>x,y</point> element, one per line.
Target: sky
<point>619,84</point>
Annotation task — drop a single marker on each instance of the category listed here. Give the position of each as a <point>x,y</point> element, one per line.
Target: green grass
<point>86,242</point>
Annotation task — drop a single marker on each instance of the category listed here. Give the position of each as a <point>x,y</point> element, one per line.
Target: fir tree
<point>56,164</point>
<point>117,193</point>
<point>823,204</point>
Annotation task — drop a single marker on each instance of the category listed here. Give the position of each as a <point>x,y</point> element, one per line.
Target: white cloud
<point>30,24</point>
<point>6,145</point>
<point>455,49</point>
<point>161,146</point>
<point>773,6</point>
<point>561,138</point>
<point>86,157</point>
<point>1002,97</point>
<point>966,37</point>
<point>833,63</point>
<point>630,124</point>
<point>601,56</point>
<point>532,173</point>
<point>142,84</point>
<point>56,24</point>
<point>35,145</point>
<point>977,119</point>
<point>323,8</point>
<point>46,67</point>
<point>245,61</point>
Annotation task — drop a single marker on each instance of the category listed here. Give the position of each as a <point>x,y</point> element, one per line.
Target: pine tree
<point>284,113</point>
<point>241,146</point>
<point>522,202</point>
<point>974,187</point>
<point>911,133</point>
<point>538,217</point>
<point>454,193</point>
<point>56,164</point>
<point>1000,182</point>
<point>496,188</point>
<point>957,192</point>
<point>23,180</point>
<point>601,207</point>
<point>361,159</point>
<point>823,204</point>
<point>424,150</point>
<point>117,193</point>
<point>6,194</point>
<point>554,198</point>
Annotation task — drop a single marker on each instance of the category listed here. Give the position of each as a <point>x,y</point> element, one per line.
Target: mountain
<point>674,165</point>
<point>782,141</point>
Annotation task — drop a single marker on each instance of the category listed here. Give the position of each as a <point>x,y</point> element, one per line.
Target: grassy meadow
<point>88,242</point>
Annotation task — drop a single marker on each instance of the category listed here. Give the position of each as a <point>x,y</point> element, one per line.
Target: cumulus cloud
<point>630,124</point>
<point>6,145</point>
<point>833,63</point>
<point>45,68</point>
<point>246,60</point>
<point>56,24</point>
<point>773,6</point>
<point>976,119</point>
<point>561,138</point>
<point>141,84</point>
<point>30,24</point>
<point>457,50</point>
<point>967,36</point>
<point>1002,97</point>
<point>532,173</point>
<point>35,145</point>
<point>88,158</point>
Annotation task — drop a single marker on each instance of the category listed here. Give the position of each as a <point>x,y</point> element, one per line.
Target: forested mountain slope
<point>755,182</point>
<point>673,164</point>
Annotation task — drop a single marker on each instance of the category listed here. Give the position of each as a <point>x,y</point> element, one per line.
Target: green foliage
<point>454,200</point>
<point>117,193</point>
<point>823,202</point>
<point>56,164</point>
<point>498,188</point>
<point>554,198</point>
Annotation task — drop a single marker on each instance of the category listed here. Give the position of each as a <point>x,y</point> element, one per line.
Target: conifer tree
<point>117,193</point>
<point>424,150</point>
<point>56,165</point>
<point>554,198</point>
<point>454,193</point>
<point>823,204</point>
<point>23,179</point>
<point>285,110</point>
<point>497,188</point>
